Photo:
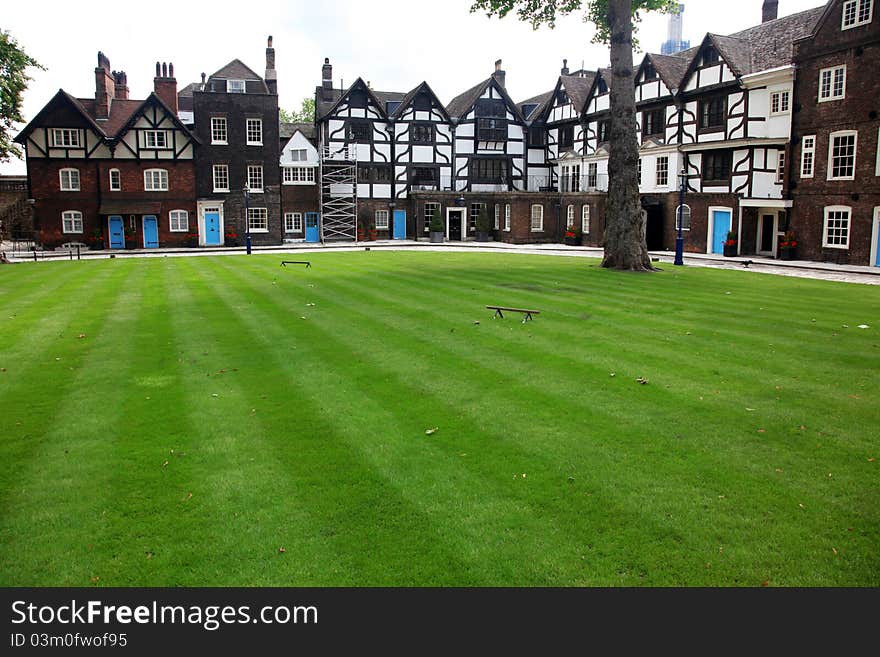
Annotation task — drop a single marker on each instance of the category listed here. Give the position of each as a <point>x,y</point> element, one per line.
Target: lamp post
<point>247,219</point>
<point>679,240</point>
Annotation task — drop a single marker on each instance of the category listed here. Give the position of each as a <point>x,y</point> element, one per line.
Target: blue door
<point>151,232</point>
<point>400,224</point>
<point>117,231</point>
<point>212,228</point>
<point>312,232</point>
<point>877,233</point>
<point>720,228</point>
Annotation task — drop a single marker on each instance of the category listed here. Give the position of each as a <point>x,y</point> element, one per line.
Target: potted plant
<point>97,241</point>
<point>730,245</point>
<point>573,235</point>
<point>130,235</point>
<point>231,239</point>
<point>483,224</point>
<point>372,231</point>
<point>436,228</point>
<point>788,246</point>
<point>363,224</point>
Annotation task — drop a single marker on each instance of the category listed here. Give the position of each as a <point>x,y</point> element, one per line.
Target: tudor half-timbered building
<point>300,201</point>
<point>109,171</point>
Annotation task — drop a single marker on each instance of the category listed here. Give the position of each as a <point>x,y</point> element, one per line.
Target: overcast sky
<point>394,44</point>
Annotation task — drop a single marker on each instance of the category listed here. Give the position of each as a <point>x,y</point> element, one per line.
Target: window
<point>683,215</point>
<point>255,177</point>
<point>491,129</point>
<point>497,216</point>
<point>69,180</point>
<point>254,132</point>
<point>66,138</point>
<point>235,86</point>
<point>359,131</point>
<point>650,73</point>
<point>561,97</point>
<point>585,219</point>
<point>855,13</point>
<point>258,220</point>
<point>536,137</point>
<point>380,173</point>
<point>835,234</point>
<point>391,106</point>
<point>662,177</point>
<point>423,133</point>
<point>566,137</point>
<point>507,216</point>
<point>537,218</point>
<point>780,166</point>
<point>842,155</point>
<point>716,166</point>
<point>178,221</point>
<point>487,170</point>
<point>293,222</point>
<point>476,208</point>
<point>155,139</point>
<point>832,83</point>
<point>490,107</point>
<point>299,155</point>
<point>602,130</point>
<point>298,175</point>
<point>602,86</point>
<point>115,180</point>
<point>358,99</point>
<point>808,155</point>
<point>72,221</point>
<point>710,56</point>
<point>221,177</point>
<point>424,176</point>
<point>155,180</point>
<point>653,122</point>
<point>382,219</point>
<point>430,208</point>
<point>219,133</point>
<point>712,113</point>
<point>779,102</point>
<point>592,175</point>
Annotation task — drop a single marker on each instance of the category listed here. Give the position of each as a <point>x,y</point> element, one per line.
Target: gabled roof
<point>323,107</point>
<point>408,99</point>
<point>62,97</point>
<point>538,101</point>
<point>287,130</point>
<point>578,88</point>
<point>121,112</point>
<point>187,91</point>
<point>139,106</point>
<point>236,70</point>
<point>670,68</point>
<point>462,104</point>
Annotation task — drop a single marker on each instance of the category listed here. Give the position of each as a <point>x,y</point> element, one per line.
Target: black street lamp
<point>247,219</point>
<point>679,240</point>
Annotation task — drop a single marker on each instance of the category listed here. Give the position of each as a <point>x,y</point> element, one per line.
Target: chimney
<point>564,70</point>
<point>499,75</point>
<point>770,10</point>
<point>165,85</point>
<point>105,87</point>
<point>271,75</point>
<point>120,81</point>
<point>327,80</point>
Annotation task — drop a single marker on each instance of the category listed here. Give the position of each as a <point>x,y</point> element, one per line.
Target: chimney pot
<point>269,44</point>
<point>497,64</point>
<point>158,69</point>
<point>170,70</point>
<point>327,80</point>
<point>769,10</point>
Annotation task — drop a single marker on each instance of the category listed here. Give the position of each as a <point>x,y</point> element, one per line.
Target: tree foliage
<point>306,113</point>
<point>14,62</point>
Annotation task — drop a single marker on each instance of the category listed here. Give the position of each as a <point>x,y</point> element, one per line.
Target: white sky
<point>394,44</point>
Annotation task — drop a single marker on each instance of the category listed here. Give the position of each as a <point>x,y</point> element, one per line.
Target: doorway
<point>151,232</point>
<point>767,230</point>
<point>116,231</point>
<point>654,229</point>
<point>454,223</point>
<point>719,225</point>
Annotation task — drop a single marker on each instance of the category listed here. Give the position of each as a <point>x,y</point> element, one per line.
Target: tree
<point>13,81</point>
<point>625,246</point>
<point>306,113</point>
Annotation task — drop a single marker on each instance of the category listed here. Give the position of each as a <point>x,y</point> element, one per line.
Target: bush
<point>437,222</point>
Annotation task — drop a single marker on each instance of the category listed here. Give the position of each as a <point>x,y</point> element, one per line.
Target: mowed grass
<point>179,421</point>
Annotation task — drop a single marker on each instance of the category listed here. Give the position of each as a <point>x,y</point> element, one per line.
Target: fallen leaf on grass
<point>164,464</point>
<point>642,380</point>
<point>749,409</point>
<point>870,459</point>
<point>94,580</point>
<point>476,321</point>
<point>766,582</point>
<point>834,550</point>
<point>761,431</point>
<point>801,505</point>
<point>188,497</point>
<point>428,432</point>
<point>214,394</point>
<point>281,550</point>
<point>863,326</point>
<point>80,336</point>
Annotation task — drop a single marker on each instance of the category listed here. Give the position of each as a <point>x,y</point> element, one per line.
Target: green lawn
<point>178,421</point>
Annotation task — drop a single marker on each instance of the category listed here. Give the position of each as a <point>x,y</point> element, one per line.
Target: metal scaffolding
<point>339,193</point>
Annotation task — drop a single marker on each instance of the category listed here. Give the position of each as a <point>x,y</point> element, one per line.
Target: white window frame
<point>74,217</point>
<point>837,209</point>
<point>299,154</point>
<point>255,178</point>
<point>497,216</point>
<point>507,217</point>
<point>585,219</point>
<point>298,175</point>
<point>664,170</point>
<point>684,210</point>
<point>782,100</point>
<point>181,218</point>
<point>115,185</point>
<point>149,180</point>
<point>832,70</point>
<point>259,129</point>
<point>473,214</point>
<point>855,149</point>
<point>780,166</point>
<point>72,184</point>
<point>236,86</point>
<point>261,215</point>
<point>66,138</point>
<point>153,136</point>
<point>569,215</point>
<point>536,216</point>
<point>218,126</point>
<point>857,6</point>
<point>808,166</point>
<point>429,208</point>
<point>293,222</point>
<point>592,175</point>
<point>218,168</point>
<point>381,219</point>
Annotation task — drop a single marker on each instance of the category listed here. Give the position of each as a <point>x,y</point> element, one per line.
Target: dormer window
<point>856,13</point>
<point>710,56</point>
<point>561,97</point>
<point>235,86</point>
<point>391,106</point>
<point>603,86</point>
<point>358,98</point>
<point>650,72</point>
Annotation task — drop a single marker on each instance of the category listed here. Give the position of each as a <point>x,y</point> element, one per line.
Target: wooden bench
<point>284,263</point>
<point>500,310</point>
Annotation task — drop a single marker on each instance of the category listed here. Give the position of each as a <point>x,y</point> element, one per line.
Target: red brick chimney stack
<point>120,81</point>
<point>499,75</point>
<point>165,85</point>
<point>105,87</point>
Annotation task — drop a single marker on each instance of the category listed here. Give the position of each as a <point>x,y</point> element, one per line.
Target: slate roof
<point>406,100</point>
<point>236,70</point>
<point>670,68</point>
<point>464,101</point>
<point>287,130</point>
<point>539,101</point>
<point>323,107</point>
<point>578,88</point>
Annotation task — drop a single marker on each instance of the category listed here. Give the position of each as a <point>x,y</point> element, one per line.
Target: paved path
<point>758,264</point>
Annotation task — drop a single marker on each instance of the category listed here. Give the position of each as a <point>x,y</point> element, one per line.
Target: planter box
<point>482,237</point>
<point>572,241</point>
<point>730,251</point>
<point>787,254</point>
<point>437,237</point>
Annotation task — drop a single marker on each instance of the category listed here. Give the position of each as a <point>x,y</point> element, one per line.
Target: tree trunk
<point>625,246</point>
